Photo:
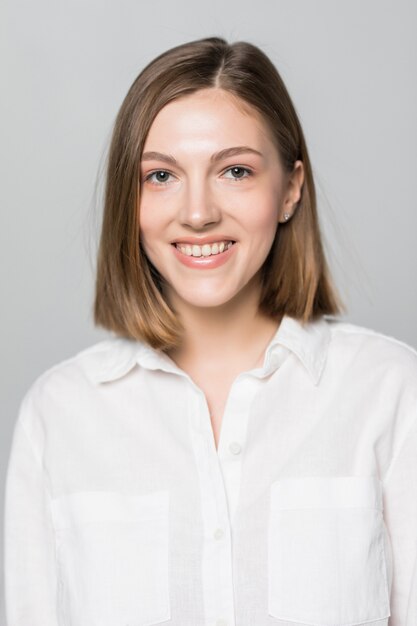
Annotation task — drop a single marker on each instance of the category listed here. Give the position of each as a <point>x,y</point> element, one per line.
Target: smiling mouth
<point>205,250</point>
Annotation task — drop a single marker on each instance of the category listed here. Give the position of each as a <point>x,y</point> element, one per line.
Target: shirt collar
<point>113,358</point>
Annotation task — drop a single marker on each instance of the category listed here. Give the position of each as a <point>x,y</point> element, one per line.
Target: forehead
<point>209,115</point>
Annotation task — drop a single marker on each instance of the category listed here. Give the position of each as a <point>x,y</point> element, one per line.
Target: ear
<point>293,191</point>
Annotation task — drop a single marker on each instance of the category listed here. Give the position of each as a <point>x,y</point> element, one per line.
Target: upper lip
<point>200,241</point>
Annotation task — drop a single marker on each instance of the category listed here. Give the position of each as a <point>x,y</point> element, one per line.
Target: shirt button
<point>218,533</point>
<point>221,622</point>
<point>235,448</point>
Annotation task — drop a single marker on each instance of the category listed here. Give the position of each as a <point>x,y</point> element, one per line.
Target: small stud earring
<point>287,216</point>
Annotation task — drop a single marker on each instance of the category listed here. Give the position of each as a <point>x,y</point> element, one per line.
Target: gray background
<point>350,68</point>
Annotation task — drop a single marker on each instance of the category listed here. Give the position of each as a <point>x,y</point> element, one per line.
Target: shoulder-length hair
<point>295,277</point>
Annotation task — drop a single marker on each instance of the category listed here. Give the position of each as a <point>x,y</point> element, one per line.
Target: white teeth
<point>205,250</point>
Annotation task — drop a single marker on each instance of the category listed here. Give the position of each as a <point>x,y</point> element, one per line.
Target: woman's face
<point>209,174</point>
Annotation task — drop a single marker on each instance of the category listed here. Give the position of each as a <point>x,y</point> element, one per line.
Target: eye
<point>238,172</point>
<point>162,177</point>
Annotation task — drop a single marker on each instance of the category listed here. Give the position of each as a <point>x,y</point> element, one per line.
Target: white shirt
<point>119,510</point>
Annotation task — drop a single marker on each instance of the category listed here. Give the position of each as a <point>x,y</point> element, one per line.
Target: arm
<point>400,513</point>
<point>29,545</point>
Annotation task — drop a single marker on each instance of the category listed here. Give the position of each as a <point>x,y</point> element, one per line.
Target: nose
<point>198,207</point>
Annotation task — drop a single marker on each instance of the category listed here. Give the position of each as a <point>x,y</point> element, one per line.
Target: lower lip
<point>204,262</point>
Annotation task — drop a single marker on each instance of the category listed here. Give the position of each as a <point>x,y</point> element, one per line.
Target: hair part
<point>295,277</point>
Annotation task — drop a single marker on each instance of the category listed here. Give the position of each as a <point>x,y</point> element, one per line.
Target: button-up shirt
<point>120,511</point>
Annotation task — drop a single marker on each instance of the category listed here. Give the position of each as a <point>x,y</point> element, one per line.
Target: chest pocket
<point>326,560</point>
<point>112,558</point>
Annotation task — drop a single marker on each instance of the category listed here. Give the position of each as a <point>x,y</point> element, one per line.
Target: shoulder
<point>367,338</point>
<point>68,380</point>
<point>371,348</point>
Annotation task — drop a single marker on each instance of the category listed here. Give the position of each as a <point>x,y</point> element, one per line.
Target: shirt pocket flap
<point>112,553</point>
<point>328,492</point>
<point>326,560</point>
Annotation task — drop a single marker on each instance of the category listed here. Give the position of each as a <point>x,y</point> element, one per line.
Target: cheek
<point>145,223</point>
<point>150,222</point>
<point>261,215</point>
<point>147,232</point>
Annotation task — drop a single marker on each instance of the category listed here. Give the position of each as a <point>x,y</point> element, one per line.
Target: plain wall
<point>350,68</point>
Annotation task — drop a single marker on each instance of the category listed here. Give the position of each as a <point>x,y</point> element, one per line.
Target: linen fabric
<point>120,511</point>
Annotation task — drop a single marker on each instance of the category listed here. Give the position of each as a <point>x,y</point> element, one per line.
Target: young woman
<point>234,454</point>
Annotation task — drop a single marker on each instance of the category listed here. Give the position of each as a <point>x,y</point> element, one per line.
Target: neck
<point>234,335</point>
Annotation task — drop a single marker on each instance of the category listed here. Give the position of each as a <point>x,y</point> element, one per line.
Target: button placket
<point>234,431</point>
<point>218,533</point>
<point>217,574</point>
<point>235,447</point>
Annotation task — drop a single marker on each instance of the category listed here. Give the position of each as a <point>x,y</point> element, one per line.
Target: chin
<point>202,300</point>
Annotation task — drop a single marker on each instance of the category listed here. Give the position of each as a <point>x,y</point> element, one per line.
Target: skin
<point>218,307</point>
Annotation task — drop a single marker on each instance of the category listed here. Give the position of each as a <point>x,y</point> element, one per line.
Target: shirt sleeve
<point>30,577</point>
<point>400,513</point>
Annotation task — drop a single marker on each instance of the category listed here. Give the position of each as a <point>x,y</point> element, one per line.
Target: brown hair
<point>295,278</point>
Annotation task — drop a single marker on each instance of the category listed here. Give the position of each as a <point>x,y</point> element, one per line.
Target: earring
<point>287,216</point>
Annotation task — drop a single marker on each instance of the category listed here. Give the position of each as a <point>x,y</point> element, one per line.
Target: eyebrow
<point>217,156</point>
